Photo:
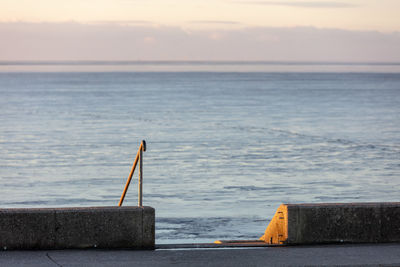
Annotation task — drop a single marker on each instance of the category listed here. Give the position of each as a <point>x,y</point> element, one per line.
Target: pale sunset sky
<point>296,30</point>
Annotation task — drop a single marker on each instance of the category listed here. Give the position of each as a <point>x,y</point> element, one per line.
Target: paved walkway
<point>329,255</point>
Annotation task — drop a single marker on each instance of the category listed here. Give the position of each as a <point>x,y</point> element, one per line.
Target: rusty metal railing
<point>138,158</point>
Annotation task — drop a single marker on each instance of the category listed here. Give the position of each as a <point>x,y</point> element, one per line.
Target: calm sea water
<point>225,148</point>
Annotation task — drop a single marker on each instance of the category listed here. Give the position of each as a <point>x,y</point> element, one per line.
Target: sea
<point>227,142</point>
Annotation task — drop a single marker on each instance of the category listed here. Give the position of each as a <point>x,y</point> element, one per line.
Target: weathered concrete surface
<point>27,228</point>
<point>334,223</point>
<point>326,255</point>
<point>59,228</point>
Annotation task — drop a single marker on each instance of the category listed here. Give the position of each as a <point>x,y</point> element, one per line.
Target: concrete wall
<point>334,223</point>
<point>59,228</point>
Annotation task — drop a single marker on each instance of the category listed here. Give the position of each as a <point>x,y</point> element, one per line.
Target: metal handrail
<point>139,157</point>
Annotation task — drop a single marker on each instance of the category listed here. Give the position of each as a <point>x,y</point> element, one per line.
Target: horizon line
<point>185,62</point>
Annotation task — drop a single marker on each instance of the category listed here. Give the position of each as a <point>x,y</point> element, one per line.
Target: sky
<point>287,30</point>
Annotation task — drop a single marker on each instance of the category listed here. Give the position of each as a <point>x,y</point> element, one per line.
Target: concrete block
<point>91,227</point>
<point>334,223</point>
<point>104,227</point>
<point>148,228</point>
<point>390,222</point>
<point>26,228</point>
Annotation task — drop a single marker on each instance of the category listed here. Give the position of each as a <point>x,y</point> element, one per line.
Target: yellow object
<point>277,230</point>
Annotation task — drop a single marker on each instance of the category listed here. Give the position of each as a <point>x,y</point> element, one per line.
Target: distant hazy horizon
<point>78,41</point>
<point>197,66</point>
<point>201,30</point>
<point>217,62</point>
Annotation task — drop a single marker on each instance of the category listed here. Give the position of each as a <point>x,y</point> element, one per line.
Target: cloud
<point>121,22</point>
<point>75,41</point>
<point>149,40</point>
<point>214,22</point>
<point>303,4</point>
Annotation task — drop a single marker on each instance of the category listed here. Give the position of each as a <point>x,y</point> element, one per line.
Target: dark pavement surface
<point>321,255</point>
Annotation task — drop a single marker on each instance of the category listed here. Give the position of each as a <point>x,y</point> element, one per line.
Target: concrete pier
<point>334,223</point>
<point>320,255</point>
<point>91,227</point>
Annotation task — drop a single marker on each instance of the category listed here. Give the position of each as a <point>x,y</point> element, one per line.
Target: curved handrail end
<point>144,145</point>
